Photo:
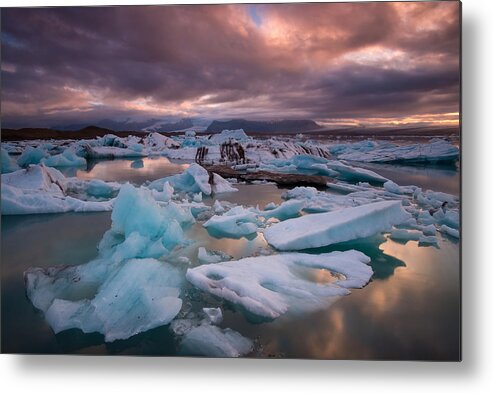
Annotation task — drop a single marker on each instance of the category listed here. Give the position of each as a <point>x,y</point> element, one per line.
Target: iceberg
<point>138,296</point>
<point>315,165</point>
<point>110,152</point>
<point>31,156</point>
<point>350,173</point>
<point>235,223</point>
<point>227,135</point>
<point>323,229</point>
<point>125,290</point>
<point>437,150</point>
<point>157,140</point>
<point>142,226</point>
<point>193,180</point>
<point>39,189</point>
<point>67,158</point>
<point>288,209</point>
<point>269,286</point>
<point>450,231</point>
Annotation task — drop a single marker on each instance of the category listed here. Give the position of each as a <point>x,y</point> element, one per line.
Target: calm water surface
<point>410,309</point>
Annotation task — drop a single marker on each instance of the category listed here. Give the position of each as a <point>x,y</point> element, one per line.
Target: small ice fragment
<point>209,340</point>
<point>450,231</point>
<point>214,315</point>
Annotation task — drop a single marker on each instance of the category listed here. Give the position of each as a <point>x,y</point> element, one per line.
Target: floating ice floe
<point>269,286</point>
<point>204,256</point>
<point>450,231</point>
<point>67,158</point>
<point>312,165</point>
<point>110,152</point>
<point>405,235</point>
<point>116,294</point>
<point>39,189</point>
<point>195,179</point>
<point>214,315</point>
<point>286,210</point>
<point>117,302</point>
<point>235,223</point>
<point>438,150</point>
<point>323,229</point>
<point>211,341</point>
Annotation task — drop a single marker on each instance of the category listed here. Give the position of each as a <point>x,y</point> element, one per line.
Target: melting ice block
<point>194,179</point>
<point>235,223</point>
<point>136,296</point>
<point>208,340</point>
<point>269,286</point>
<point>318,230</point>
<point>116,294</point>
<point>288,209</point>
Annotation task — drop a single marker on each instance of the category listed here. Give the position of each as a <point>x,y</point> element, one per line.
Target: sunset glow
<point>336,63</point>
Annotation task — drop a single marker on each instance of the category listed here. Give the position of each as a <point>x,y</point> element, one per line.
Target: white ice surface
<point>235,223</point>
<point>269,286</point>
<point>318,230</point>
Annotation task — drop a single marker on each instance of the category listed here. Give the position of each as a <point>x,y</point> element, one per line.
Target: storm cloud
<point>362,62</point>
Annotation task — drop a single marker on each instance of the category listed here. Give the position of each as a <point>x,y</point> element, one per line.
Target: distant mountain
<point>279,126</point>
<point>159,125</point>
<point>162,126</point>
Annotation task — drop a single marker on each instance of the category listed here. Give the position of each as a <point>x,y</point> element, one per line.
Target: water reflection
<point>414,314</point>
<point>134,171</point>
<point>410,309</point>
<point>436,178</point>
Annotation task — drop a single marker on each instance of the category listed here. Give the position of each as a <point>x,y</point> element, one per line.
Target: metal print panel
<point>243,180</point>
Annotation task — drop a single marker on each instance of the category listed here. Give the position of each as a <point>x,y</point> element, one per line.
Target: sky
<point>340,64</point>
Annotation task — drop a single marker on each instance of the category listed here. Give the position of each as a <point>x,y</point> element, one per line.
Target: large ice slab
<point>437,150</point>
<point>323,229</point>
<point>269,286</point>
<point>313,165</point>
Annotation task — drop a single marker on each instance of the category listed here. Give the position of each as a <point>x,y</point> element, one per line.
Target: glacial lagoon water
<point>409,310</point>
